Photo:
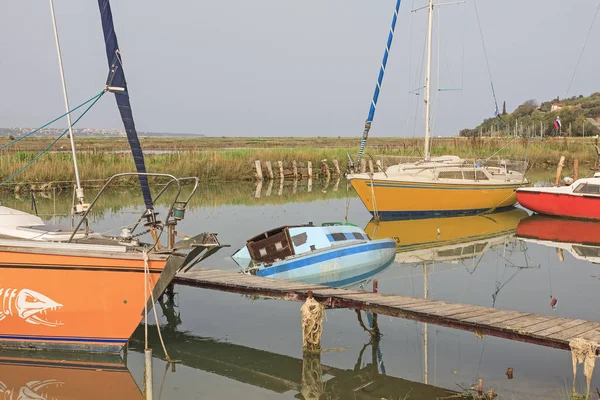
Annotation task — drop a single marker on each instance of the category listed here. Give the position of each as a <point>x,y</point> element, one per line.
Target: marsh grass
<point>230,163</point>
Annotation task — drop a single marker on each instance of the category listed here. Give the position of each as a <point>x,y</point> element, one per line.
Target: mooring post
<point>295,169</point>
<point>269,169</point>
<point>325,169</point>
<point>561,164</point>
<point>363,165</point>
<point>309,167</point>
<point>378,163</point>
<point>575,170</point>
<point>336,165</point>
<point>371,166</point>
<point>312,324</point>
<point>258,189</point>
<point>259,174</point>
<point>269,188</point>
<point>309,184</point>
<point>280,165</point>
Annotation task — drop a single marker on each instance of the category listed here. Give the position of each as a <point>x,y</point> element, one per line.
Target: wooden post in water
<point>379,167</point>
<point>363,165</point>
<point>313,314</point>
<point>295,169</point>
<point>280,165</point>
<point>336,165</point>
<point>575,170</point>
<point>309,167</point>
<point>269,169</point>
<point>325,169</point>
<point>259,174</point>
<point>561,164</point>
<point>371,166</point>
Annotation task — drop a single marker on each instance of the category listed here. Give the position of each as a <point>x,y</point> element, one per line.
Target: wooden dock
<point>545,330</point>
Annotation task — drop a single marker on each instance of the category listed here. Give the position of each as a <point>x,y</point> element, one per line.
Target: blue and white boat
<point>333,254</point>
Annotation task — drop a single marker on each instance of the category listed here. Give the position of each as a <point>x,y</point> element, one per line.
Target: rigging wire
<point>487,62</point>
<point>582,50</point>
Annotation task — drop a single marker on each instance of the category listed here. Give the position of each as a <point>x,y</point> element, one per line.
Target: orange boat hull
<point>66,302</point>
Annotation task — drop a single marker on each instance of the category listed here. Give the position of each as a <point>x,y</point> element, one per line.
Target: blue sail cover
<point>116,78</point>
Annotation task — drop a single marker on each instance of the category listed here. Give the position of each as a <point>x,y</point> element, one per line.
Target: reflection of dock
<point>549,331</point>
<point>277,188</point>
<point>279,373</point>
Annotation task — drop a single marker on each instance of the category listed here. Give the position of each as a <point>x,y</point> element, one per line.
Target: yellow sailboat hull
<point>397,199</point>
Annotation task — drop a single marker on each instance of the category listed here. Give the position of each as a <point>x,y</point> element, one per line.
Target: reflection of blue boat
<point>334,254</point>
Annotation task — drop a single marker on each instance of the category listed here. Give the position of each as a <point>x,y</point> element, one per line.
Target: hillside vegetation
<point>580,113</point>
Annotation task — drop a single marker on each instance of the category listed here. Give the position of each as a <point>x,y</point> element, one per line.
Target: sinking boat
<point>581,238</point>
<point>65,288</point>
<point>581,199</point>
<point>333,254</point>
<point>433,186</point>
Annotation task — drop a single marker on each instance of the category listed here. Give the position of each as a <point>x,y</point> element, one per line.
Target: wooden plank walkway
<point>545,330</point>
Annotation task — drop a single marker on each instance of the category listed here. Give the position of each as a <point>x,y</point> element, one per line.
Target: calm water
<point>231,346</point>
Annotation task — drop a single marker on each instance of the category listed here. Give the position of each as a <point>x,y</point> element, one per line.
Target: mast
<point>425,330</point>
<point>428,81</point>
<point>79,190</point>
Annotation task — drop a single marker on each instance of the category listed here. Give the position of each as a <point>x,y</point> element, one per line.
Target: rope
<point>149,283</point>
<point>388,46</point>
<point>487,62</point>
<point>95,100</point>
<point>582,50</point>
<point>51,122</point>
<point>375,212</point>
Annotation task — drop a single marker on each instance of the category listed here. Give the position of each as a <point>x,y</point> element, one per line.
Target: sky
<point>294,68</point>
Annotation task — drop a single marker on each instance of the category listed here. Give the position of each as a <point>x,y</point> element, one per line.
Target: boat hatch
<point>271,245</point>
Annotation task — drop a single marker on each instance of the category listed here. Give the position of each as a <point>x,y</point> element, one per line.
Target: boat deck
<point>544,330</point>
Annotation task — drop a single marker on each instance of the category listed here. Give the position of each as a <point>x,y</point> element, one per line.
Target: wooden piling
<point>309,167</point>
<point>363,165</point>
<point>269,169</point>
<point>379,167</point>
<point>280,165</point>
<point>325,169</point>
<point>259,174</point>
<point>575,170</point>
<point>371,166</point>
<point>295,169</point>
<point>561,164</point>
<point>336,165</point>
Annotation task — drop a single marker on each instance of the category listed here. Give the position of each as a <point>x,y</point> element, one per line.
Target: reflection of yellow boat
<point>446,239</point>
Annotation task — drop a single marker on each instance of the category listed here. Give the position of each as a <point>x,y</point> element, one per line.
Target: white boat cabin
<point>287,241</point>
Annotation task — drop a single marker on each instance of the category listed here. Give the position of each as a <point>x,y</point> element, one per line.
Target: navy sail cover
<point>116,78</point>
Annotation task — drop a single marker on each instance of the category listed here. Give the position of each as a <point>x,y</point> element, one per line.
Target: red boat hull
<point>559,230</point>
<point>559,204</point>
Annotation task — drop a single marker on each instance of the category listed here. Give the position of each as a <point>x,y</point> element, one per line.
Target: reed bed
<point>233,164</point>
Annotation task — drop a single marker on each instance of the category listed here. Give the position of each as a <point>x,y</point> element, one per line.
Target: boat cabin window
<point>587,188</point>
<point>358,236</point>
<point>481,176</point>
<point>338,236</point>
<point>450,175</point>
<point>469,175</point>
<point>587,251</point>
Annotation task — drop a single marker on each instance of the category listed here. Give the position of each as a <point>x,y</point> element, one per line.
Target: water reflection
<point>64,376</point>
<point>450,239</point>
<point>578,237</point>
<point>307,377</point>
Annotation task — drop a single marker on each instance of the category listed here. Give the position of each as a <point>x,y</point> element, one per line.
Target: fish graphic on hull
<point>31,391</point>
<point>28,305</point>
